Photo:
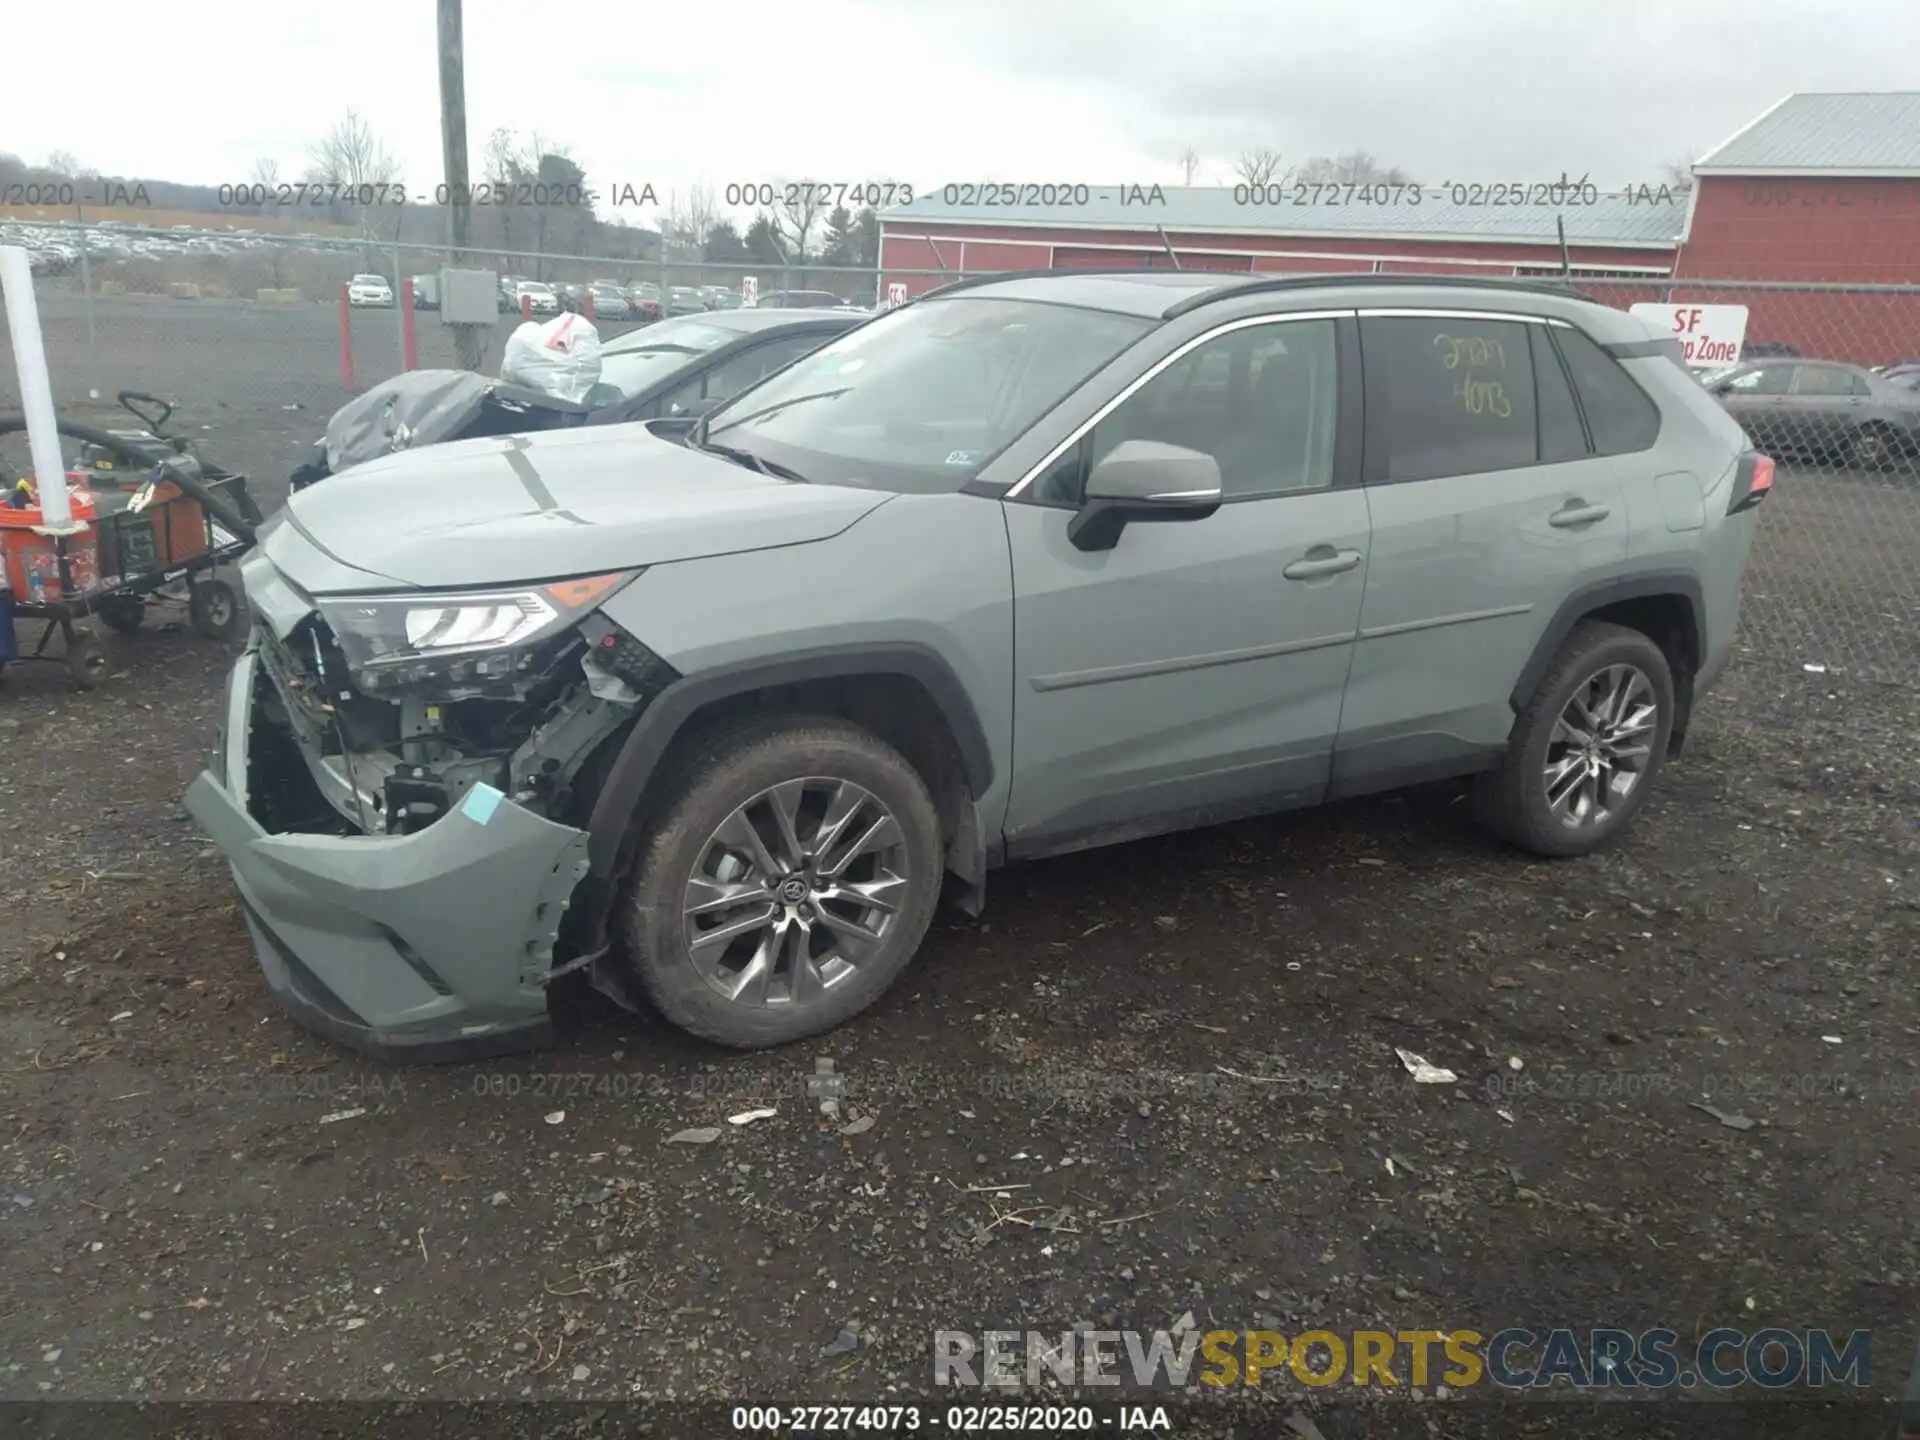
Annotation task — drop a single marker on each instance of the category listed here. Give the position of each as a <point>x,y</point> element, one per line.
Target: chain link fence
<point>252,338</point>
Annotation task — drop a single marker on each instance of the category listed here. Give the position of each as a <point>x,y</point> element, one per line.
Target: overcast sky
<point>1100,91</point>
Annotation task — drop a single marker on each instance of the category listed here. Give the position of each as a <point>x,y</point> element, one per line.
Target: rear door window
<point>1562,437</point>
<point>1448,395</point>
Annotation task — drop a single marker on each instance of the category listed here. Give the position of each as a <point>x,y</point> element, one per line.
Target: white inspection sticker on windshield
<point>482,800</point>
<point>963,457</point>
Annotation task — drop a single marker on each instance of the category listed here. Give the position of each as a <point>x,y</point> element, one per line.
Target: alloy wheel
<point>794,891</point>
<point>1601,746</point>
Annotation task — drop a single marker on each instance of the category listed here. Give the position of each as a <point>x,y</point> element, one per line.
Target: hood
<point>511,508</point>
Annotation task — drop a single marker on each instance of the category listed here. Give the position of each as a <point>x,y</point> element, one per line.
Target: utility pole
<point>471,339</point>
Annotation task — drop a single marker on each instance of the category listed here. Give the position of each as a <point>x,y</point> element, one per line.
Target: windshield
<point>536,287</point>
<point>924,397</point>
<point>657,352</point>
<point>366,279</point>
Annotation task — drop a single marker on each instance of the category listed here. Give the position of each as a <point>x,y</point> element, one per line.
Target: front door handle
<point>1320,562</point>
<point>1576,513</point>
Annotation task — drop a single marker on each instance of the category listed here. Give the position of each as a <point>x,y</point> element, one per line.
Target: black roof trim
<point>1423,282</point>
<point>1231,288</point>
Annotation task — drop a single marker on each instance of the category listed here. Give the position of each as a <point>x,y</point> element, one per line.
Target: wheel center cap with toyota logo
<point>793,889</point>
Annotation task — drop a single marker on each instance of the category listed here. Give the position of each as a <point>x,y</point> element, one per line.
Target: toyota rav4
<point>715,710</point>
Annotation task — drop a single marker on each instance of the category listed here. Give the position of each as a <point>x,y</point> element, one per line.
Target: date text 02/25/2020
<point>977,1419</point>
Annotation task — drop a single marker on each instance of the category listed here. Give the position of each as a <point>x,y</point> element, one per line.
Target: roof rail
<point>1229,288</point>
<point>968,282</point>
<point>1558,288</point>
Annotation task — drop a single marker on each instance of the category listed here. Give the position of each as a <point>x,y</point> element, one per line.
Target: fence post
<point>346,338</point>
<point>86,303</point>
<point>409,335</point>
<point>405,307</point>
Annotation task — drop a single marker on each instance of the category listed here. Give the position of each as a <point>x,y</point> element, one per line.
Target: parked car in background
<point>646,301</point>
<point>1822,410</point>
<point>610,302</point>
<point>536,296</point>
<point>570,295</point>
<point>719,297</point>
<point>369,290</point>
<point>689,364</point>
<point>1767,350</point>
<point>685,300</point>
<point>802,300</point>
<point>680,367</point>
<point>426,292</point>
<point>1027,566</point>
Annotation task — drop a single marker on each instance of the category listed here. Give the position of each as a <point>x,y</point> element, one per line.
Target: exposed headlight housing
<point>395,642</point>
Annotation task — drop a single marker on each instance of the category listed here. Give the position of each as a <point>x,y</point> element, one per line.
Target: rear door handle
<point>1321,561</point>
<point>1576,513</point>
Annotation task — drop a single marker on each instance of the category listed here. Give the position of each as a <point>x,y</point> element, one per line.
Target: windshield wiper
<point>754,462</point>
<point>781,405</point>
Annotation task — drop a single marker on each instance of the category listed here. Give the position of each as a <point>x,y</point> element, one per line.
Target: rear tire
<point>795,973</point>
<point>214,610</point>
<point>1870,448</point>
<point>1570,781</point>
<point>121,612</point>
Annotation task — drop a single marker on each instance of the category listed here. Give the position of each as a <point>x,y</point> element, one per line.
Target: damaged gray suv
<point>714,711</point>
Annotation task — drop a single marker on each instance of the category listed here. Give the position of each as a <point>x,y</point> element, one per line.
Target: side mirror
<point>1144,480</point>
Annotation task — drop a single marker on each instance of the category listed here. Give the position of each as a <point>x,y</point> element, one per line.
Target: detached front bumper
<point>429,946</point>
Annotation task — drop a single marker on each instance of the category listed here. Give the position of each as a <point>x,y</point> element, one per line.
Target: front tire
<point>784,883</point>
<point>1587,747</point>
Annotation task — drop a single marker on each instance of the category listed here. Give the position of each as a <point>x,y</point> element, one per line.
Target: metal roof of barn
<point>1640,219</point>
<point>1859,134</point>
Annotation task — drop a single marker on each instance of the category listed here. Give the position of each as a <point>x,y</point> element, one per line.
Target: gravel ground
<point>1149,1081</point>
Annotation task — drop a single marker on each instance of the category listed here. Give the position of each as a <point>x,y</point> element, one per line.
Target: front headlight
<point>468,637</point>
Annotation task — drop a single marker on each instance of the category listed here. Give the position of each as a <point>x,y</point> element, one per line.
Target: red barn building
<point>1821,189</point>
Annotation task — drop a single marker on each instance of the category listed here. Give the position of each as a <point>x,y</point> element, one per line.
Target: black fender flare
<point>661,722</point>
<point>1589,598</point>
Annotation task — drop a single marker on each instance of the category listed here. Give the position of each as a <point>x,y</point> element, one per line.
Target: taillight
<point>1752,482</point>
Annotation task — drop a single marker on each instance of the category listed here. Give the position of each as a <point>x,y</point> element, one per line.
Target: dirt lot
<point>1148,1081</point>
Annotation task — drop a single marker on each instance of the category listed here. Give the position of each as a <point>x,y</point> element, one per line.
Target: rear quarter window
<point>1620,416</point>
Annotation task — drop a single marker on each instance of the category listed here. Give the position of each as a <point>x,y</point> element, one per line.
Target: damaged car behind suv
<point>715,709</point>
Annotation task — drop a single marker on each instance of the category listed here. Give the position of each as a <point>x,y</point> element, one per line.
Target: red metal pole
<point>586,304</point>
<point>526,307</point>
<point>409,341</point>
<point>346,340</point>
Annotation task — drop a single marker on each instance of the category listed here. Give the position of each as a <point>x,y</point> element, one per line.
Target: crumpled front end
<point>404,861</point>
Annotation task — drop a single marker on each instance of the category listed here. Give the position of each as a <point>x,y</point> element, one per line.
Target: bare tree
<point>1189,164</point>
<point>1356,167</point>
<point>265,172</point>
<point>352,157</point>
<point>350,154</point>
<point>1259,167</point>
<point>796,211</point>
<point>1677,174</point>
<point>689,219</point>
<point>503,163</point>
<point>64,163</point>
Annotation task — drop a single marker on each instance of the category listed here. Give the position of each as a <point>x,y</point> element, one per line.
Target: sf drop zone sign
<point>1708,334</point>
